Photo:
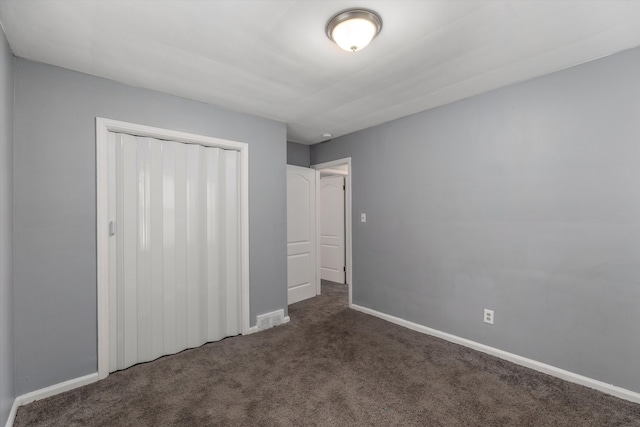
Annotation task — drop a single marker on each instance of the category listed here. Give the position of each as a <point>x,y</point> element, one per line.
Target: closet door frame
<point>103,127</point>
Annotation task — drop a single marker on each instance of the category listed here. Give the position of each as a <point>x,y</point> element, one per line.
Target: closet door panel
<point>174,260</point>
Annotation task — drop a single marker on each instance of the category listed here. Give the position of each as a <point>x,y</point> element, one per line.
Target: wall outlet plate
<point>488,316</point>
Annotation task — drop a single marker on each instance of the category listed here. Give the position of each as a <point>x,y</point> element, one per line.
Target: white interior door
<point>174,247</point>
<point>332,253</point>
<point>302,274</point>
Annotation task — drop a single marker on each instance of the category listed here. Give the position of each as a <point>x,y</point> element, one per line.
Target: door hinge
<point>112,228</point>
<point>344,188</point>
<point>344,269</point>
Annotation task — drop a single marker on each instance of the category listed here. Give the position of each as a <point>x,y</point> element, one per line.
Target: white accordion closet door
<point>174,247</point>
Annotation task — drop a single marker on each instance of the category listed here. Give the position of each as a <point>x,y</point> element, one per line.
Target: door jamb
<point>103,127</point>
<point>317,231</point>
<point>348,225</point>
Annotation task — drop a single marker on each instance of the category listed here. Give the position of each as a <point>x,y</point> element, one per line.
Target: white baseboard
<point>519,360</point>
<point>71,384</point>
<point>12,414</point>
<point>48,392</point>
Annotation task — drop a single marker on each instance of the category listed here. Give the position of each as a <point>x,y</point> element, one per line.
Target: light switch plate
<point>363,217</point>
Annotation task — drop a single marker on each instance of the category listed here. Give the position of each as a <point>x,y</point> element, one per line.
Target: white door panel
<point>174,266</point>
<point>332,225</point>
<point>330,257</point>
<point>302,275</point>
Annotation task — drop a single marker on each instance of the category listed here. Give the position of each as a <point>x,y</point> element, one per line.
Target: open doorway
<point>335,221</point>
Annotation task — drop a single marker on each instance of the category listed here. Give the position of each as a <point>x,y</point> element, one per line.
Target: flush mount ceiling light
<point>353,29</point>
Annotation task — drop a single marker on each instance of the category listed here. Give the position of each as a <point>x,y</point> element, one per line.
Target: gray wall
<point>524,200</point>
<point>55,179</point>
<point>298,154</point>
<point>6,229</point>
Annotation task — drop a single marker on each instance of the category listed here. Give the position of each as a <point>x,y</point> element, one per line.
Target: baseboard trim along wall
<point>70,385</point>
<point>12,414</point>
<point>48,392</point>
<point>519,360</point>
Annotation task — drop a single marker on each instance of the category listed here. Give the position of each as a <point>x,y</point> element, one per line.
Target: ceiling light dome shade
<point>354,29</point>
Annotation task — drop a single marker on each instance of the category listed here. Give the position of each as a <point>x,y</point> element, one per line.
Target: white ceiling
<point>272,58</point>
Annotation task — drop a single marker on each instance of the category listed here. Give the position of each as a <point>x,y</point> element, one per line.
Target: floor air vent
<point>269,320</point>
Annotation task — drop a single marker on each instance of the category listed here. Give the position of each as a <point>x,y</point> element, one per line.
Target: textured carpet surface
<point>331,366</point>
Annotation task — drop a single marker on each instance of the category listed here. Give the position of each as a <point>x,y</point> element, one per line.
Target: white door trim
<point>103,127</point>
<point>317,231</point>
<point>348,228</point>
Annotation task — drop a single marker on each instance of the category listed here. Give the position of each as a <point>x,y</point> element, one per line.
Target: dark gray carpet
<point>330,366</point>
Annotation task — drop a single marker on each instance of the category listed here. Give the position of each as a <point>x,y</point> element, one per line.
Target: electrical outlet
<point>488,316</point>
